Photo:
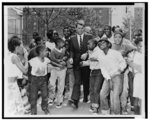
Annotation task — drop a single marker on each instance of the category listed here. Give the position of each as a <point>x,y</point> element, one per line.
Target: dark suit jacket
<point>75,50</point>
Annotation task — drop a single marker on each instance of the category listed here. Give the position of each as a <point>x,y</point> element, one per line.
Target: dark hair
<point>113,28</point>
<point>50,34</point>
<point>94,41</point>
<point>13,42</point>
<point>106,40</point>
<point>39,49</point>
<point>35,34</point>
<point>79,22</point>
<point>37,39</point>
<point>66,27</point>
<point>108,27</point>
<point>138,40</point>
<point>59,40</point>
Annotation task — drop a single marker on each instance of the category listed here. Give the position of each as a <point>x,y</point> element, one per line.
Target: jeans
<point>96,81</point>
<point>131,78</point>
<point>114,87</point>
<point>60,76</point>
<point>38,83</point>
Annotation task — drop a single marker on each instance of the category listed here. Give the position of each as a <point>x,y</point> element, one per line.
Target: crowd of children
<point>111,59</point>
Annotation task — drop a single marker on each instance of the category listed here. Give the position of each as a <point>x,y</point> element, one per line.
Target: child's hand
<point>93,59</point>
<point>71,61</point>
<point>24,82</point>
<point>84,56</point>
<point>81,63</point>
<point>63,63</point>
<point>65,58</point>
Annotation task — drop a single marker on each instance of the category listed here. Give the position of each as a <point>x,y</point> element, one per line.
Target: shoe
<point>70,102</point>
<point>91,109</point>
<point>75,104</point>
<point>95,110</point>
<point>46,111</point>
<point>50,102</point>
<point>59,105</point>
<point>105,112</point>
<point>85,100</point>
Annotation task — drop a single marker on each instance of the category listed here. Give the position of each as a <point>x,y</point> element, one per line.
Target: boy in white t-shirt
<point>39,79</point>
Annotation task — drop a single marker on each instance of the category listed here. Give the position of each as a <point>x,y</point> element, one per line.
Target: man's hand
<point>84,56</point>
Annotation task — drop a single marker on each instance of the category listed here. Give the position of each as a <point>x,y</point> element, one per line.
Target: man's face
<point>80,29</point>
<point>118,39</point>
<point>107,30</point>
<point>66,32</point>
<point>100,32</point>
<point>102,45</point>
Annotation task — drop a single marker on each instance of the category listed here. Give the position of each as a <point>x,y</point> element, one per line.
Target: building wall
<point>14,23</point>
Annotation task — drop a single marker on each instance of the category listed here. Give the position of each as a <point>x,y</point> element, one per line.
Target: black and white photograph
<point>74,60</point>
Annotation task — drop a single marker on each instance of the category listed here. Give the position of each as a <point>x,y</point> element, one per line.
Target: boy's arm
<point>53,57</point>
<point>55,64</point>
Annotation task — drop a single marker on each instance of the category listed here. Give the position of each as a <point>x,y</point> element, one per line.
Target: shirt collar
<point>80,35</point>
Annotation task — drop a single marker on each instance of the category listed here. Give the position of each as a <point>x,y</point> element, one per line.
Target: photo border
<point>76,4</point>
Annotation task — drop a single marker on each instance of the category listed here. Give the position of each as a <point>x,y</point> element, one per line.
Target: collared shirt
<point>78,37</point>
<point>113,62</point>
<point>97,54</point>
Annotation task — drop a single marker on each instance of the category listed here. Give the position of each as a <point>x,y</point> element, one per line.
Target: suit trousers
<point>81,74</point>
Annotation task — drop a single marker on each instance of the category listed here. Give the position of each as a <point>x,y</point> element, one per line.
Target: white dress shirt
<point>78,37</point>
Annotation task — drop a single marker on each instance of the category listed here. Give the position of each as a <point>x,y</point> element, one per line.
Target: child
<point>97,73</point>
<point>69,81</point>
<point>58,56</point>
<point>39,79</point>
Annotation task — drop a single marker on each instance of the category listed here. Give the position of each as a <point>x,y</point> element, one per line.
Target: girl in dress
<point>135,61</point>
<point>15,70</point>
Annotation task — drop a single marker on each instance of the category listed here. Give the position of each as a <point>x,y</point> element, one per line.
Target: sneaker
<point>50,102</point>
<point>46,111</point>
<point>95,110</point>
<point>105,112</point>
<point>91,109</point>
<point>59,105</point>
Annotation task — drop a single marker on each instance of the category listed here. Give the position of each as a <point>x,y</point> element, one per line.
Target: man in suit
<point>78,46</point>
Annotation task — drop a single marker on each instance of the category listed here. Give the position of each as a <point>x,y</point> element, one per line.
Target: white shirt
<point>39,68</point>
<point>12,69</point>
<point>113,62</point>
<point>78,37</point>
<point>98,54</point>
<point>50,45</point>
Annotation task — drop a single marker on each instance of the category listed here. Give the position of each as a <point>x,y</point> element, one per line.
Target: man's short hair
<point>80,22</point>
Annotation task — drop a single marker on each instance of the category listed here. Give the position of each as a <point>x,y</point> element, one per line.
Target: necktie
<point>81,43</point>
